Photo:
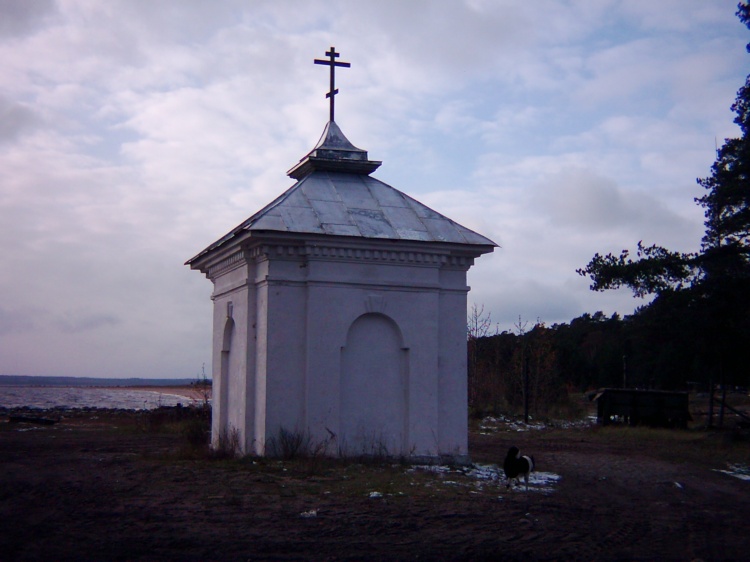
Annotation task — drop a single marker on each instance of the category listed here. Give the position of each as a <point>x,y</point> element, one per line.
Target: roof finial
<point>333,63</point>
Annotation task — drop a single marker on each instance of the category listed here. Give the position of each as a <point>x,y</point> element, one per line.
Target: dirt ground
<point>98,486</point>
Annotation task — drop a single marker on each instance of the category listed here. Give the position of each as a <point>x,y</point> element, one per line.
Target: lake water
<point>88,397</point>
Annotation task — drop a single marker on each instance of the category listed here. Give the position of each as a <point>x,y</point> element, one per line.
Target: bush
<point>289,445</point>
<point>227,446</point>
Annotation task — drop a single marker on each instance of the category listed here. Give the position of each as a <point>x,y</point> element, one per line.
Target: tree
<point>477,326</point>
<point>727,201</point>
<point>710,288</point>
<point>725,248</point>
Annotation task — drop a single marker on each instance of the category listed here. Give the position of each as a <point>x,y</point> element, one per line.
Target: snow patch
<point>480,475</point>
<point>495,424</point>
<point>741,471</point>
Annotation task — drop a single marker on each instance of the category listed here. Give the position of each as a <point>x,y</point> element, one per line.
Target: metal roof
<point>335,195</point>
<point>343,204</point>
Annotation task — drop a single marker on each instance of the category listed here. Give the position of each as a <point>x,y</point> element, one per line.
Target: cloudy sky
<point>133,133</point>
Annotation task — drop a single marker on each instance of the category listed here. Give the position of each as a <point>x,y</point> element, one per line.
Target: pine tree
<point>726,244</point>
<point>707,292</point>
<point>725,248</point>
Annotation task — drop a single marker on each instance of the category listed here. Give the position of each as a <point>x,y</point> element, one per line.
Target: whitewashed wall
<point>360,344</point>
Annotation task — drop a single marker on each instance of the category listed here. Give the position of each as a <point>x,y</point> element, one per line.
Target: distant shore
<point>137,397</point>
<point>191,391</point>
<point>30,380</point>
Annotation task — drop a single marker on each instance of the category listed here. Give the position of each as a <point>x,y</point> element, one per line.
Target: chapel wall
<point>452,379</point>
<point>328,328</point>
<point>286,359</point>
<point>292,309</point>
<point>232,406</point>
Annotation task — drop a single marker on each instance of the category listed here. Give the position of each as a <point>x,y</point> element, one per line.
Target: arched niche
<point>374,388</point>
<point>223,387</point>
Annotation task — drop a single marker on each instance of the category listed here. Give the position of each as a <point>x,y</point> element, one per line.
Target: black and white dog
<point>516,466</point>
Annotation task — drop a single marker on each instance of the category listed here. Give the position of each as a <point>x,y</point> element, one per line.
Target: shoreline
<point>61,399</point>
<point>193,393</point>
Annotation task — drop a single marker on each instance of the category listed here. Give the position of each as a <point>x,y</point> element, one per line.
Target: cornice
<point>229,263</point>
<point>428,257</point>
<point>345,252</point>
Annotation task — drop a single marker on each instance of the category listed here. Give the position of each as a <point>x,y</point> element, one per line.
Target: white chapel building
<point>340,315</point>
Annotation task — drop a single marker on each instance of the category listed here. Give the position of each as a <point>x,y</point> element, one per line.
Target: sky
<point>134,133</point>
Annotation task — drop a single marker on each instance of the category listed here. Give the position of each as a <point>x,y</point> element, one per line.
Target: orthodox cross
<point>333,63</point>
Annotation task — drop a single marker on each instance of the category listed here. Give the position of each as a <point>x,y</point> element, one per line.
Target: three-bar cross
<point>333,63</point>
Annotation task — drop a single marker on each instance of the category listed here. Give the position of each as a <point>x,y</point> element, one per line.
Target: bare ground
<point>96,486</point>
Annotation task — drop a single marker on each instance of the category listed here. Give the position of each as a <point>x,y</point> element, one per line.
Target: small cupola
<point>334,153</point>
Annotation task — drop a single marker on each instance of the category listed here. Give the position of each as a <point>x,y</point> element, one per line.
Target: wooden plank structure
<point>655,408</point>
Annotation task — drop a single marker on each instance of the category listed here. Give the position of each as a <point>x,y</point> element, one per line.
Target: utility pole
<point>526,386</point>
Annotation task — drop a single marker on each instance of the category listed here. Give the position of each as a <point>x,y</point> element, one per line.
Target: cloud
<point>675,15</point>
<point>532,296</point>
<point>581,199</point>
<point>16,320</point>
<point>76,321</point>
<point>15,120</point>
<point>22,18</point>
<point>136,133</point>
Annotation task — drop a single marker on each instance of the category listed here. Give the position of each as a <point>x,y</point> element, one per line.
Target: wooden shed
<point>655,408</point>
